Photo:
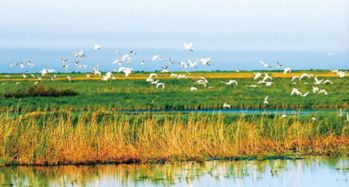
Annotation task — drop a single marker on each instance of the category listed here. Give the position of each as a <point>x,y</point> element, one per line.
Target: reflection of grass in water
<point>160,174</point>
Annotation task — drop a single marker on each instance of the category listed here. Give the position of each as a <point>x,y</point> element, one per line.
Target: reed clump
<point>62,137</point>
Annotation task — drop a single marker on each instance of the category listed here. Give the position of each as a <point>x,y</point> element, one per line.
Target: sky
<point>212,25</point>
<point>218,24</point>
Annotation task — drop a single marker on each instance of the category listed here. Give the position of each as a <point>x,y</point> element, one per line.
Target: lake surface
<point>312,171</point>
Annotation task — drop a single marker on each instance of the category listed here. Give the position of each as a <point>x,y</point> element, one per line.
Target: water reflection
<point>313,171</point>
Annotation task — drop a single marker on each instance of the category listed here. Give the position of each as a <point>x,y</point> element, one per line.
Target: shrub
<point>40,91</point>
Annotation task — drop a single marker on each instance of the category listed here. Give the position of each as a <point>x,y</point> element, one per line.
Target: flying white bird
<point>257,75</point>
<point>323,91</point>
<point>127,71</point>
<point>79,54</point>
<point>287,70</point>
<point>230,82</point>
<point>188,46</point>
<point>156,58</point>
<point>265,64</point>
<point>327,82</point>
<point>164,69</point>
<point>295,91</point>
<point>205,61</point>
<point>97,47</point>
<point>305,94</point>
<point>317,81</point>
<point>316,89</point>
<point>160,84</point>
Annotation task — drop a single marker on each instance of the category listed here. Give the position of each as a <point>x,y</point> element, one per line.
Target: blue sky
<point>151,24</point>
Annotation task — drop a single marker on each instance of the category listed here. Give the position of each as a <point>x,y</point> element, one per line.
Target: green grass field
<point>135,93</point>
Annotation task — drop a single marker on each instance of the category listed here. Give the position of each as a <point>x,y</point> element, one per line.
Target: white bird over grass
<point>257,75</point>
<point>305,75</point>
<point>188,46</point>
<point>287,70</point>
<point>316,89</point>
<point>46,71</point>
<point>126,70</point>
<point>317,81</point>
<point>107,76</point>
<point>192,89</point>
<point>327,82</point>
<point>97,47</point>
<point>267,77</point>
<point>230,82</point>
<point>160,84</point>
<point>266,100</point>
<point>305,94</point>
<point>225,105</point>
<point>283,116</point>
<point>295,91</point>
<point>294,78</point>
<point>323,91</point>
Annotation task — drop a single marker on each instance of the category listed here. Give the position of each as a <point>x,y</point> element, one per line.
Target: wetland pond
<point>310,171</point>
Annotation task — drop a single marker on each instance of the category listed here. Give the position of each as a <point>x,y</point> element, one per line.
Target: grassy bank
<point>50,138</point>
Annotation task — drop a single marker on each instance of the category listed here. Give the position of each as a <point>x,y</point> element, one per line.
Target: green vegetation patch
<point>40,91</point>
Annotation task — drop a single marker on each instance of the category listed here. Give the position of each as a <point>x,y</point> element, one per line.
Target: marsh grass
<point>63,137</point>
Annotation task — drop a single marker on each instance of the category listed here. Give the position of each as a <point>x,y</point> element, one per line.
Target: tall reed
<point>64,137</point>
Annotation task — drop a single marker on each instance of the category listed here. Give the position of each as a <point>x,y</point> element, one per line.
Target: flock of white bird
<point>123,60</point>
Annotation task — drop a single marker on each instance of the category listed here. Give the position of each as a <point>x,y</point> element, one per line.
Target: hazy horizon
<point>228,31</point>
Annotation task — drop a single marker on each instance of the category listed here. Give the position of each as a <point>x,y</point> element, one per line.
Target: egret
<point>257,75</point>
<point>79,54</point>
<point>230,82</point>
<point>225,105</point>
<point>127,71</point>
<point>316,89</point>
<point>265,64</point>
<point>279,65</point>
<point>305,94</point>
<point>205,61</point>
<point>188,46</point>
<point>327,82</point>
<point>266,100</point>
<point>295,91</point>
<point>294,78</point>
<point>317,81</point>
<point>160,84</point>
<point>164,69</point>
<point>193,89</point>
<point>323,91</point>
<point>97,47</point>
<point>283,116</point>
<point>287,70</point>
<point>156,58</point>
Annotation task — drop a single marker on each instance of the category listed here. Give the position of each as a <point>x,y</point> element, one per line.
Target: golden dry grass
<point>60,138</point>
